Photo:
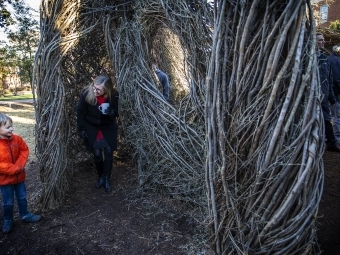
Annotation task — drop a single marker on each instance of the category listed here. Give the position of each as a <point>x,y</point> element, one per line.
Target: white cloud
<point>33,4</point>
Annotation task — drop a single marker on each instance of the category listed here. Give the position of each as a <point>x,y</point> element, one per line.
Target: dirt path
<point>90,221</point>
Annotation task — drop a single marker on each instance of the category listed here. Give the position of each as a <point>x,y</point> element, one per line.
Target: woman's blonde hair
<point>99,80</point>
<point>4,119</point>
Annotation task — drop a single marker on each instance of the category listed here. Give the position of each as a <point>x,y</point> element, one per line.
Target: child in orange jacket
<point>13,158</point>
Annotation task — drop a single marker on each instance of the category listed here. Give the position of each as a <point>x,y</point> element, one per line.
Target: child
<point>13,158</point>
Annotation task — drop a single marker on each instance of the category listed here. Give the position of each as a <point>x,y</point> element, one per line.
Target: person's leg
<point>7,192</point>
<point>107,168</point>
<point>335,111</point>
<point>331,142</point>
<point>98,161</point>
<point>25,215</point>
<point>20,192</point>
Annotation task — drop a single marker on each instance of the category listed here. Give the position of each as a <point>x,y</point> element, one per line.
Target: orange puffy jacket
<point>13,157</point>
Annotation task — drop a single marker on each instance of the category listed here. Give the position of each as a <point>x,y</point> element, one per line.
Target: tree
<point>5,15</point>
<point>7,60</point>
<point>23,40</point>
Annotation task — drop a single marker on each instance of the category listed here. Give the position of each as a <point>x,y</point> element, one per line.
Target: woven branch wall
<point>241,136</point>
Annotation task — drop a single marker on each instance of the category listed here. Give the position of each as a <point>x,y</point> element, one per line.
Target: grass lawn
<point>9,97</point>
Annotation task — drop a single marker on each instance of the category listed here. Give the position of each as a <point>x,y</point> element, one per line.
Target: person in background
<point>326,81</point>
<point>163,79</point>
<point>98,128</point>
<point>334,61</point>
<point>13,158</point>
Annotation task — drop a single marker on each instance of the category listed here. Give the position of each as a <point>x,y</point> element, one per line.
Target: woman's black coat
<point>90,119</point>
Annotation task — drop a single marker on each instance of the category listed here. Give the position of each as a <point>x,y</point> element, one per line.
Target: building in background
<point>325,12</point>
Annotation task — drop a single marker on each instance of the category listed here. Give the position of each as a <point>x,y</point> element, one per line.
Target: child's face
<point>6,130</point>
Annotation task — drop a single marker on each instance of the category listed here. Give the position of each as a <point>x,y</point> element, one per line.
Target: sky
<point>33,3</point>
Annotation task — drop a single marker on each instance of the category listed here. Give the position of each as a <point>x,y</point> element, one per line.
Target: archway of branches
<point>240,139</point>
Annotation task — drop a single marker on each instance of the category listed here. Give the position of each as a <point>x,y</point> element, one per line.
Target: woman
<point>98,126</point>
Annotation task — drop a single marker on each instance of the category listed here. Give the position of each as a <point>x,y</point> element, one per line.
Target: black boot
<point>107,174</point>
<point>100,170</point>
<point>8,219</point>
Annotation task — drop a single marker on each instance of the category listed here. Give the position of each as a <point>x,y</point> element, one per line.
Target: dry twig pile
<point>240,138</point>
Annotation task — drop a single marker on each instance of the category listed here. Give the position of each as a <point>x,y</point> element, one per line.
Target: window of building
<point>323,13</point>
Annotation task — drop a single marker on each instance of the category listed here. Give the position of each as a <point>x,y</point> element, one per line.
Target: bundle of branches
<point>168,138</point>
<point>63,67</point>
<point>79,42</point>
<point>264,128</point>
<point>242,145</point>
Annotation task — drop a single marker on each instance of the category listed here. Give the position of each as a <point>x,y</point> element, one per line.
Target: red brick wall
<point>333,12</point>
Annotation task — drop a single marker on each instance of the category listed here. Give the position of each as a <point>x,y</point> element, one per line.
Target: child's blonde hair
<point>4,119</point>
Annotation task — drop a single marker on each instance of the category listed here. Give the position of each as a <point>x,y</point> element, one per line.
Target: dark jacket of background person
<point>90,119</point>
<point>326,81</point>
<point>163,79</point>
<point>334,61</point>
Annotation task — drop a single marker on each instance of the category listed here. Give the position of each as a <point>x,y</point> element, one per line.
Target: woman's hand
<point>83,135</point>
<point>110,112</point>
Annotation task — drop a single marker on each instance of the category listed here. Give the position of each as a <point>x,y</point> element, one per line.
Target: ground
<point>91,221</point>
<point>328,223</point>
<point>129,221</point>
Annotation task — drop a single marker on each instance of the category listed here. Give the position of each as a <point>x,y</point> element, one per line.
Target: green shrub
<point>335,25</point>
